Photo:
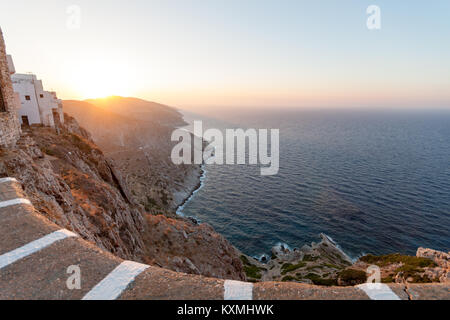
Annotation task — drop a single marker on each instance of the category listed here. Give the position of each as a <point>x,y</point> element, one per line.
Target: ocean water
<point>376,182</point>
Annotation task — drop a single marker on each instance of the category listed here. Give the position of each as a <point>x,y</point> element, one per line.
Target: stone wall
<point>9,122</point>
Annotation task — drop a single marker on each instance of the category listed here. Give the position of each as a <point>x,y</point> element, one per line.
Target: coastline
<point>191,195</point>
<point>198,186</point>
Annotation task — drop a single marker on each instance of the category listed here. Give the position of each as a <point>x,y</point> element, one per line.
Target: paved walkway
<point>37,260</point>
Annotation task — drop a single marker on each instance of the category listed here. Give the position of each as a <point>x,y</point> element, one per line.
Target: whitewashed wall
<point>24,86</point>
<point>39,108</point>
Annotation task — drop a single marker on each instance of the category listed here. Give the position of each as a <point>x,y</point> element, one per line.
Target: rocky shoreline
<point>189,191</point>
<point>191,186</point>
<point>324,263</point>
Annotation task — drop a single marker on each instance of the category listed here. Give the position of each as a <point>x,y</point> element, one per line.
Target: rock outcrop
<point>324,263</point>
<point>69,181</point>
<point>182,246</point>
<point>428,266</point>
<point>442,261</point>
<point>318,263</point>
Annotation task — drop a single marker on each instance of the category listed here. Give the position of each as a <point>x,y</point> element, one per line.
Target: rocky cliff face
<point>136,134</point>
<point>71,182</point>
<point>183,246</point>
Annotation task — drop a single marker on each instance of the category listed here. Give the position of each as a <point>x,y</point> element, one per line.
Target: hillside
<point>139,109</point>
<point>112,130</point>
<point>136,135</point>
<point>71,182</point>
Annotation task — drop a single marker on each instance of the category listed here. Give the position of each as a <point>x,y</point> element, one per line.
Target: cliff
<point>71,182</point>
<point>136,134</point>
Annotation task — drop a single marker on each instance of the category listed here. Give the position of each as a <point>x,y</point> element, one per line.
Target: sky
<point>255,53</point>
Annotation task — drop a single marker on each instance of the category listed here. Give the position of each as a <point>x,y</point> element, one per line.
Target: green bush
<point>252,272</point>
<point>288,267</point>
<point>352,276</point>
<point>288,278</point>
<point>244,260</point>
<point>311,276</point>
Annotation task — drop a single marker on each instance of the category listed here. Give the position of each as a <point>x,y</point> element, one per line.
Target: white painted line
<point>378,291</point>
<point>237,290</point>
<point>34,246</point>
<point>13,202</point>
<point>111,287</point>
<point>2,180</point>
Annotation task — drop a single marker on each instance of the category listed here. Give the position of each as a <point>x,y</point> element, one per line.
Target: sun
<point>101,88</point>
<point>98,79</point>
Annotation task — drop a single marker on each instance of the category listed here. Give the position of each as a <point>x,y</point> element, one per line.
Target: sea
<point>374,181</point>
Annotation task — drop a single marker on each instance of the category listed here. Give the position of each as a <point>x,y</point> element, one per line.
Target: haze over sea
<point>375,181</point>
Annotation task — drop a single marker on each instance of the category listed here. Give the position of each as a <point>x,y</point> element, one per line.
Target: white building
<point>37,105</point>
<point>57,107</point>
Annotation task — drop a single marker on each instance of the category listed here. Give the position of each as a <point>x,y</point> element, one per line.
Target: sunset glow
<point>194,54</point>
<point>108,79</point>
